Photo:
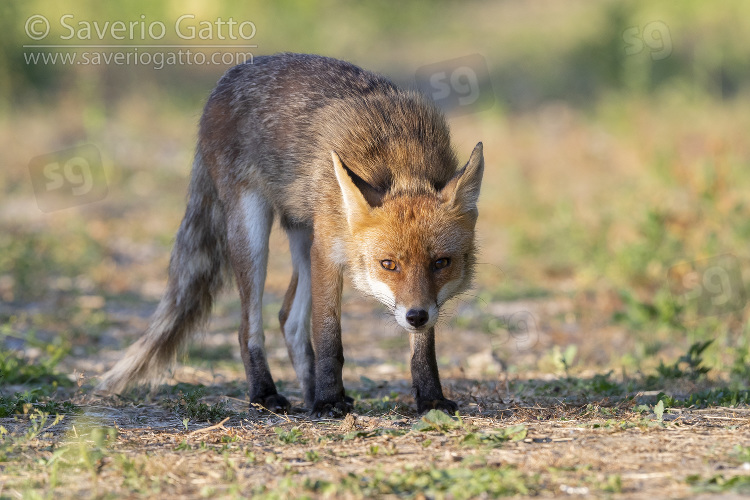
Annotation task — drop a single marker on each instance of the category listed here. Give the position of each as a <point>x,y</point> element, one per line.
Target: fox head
<point>412,249</point>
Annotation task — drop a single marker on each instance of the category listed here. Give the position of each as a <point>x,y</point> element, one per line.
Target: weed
<point>715,397</point>
<point>188,406</point>
<point>692,359</point>
<point>132,471</point>
<point>741,453</point>
<point>87,453</point>
<point>17,369</point>
<point>372,433</point>
<point>30,400</point>
<point>496,439</point>
<point>380,406</point>
<point>659,411</point>
<point>292,436</point>
<point>436,420</point>
<point>613,484</point>
<point>720,484</point>
<point>597,386</point>
<point>38,425</point>
<point>456,483</point>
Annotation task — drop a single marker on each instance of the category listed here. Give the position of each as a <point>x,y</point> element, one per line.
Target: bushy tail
<point>198,268</point>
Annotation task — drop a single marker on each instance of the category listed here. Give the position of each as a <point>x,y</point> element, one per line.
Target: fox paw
<point>333,410</point>
<point>445,405</point>
<point>275,403</point>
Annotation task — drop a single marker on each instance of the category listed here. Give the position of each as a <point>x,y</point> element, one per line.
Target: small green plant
<point>364,434</point>
<point>11,444</point>
<point>436,420</point>
<point>188,406</point>
<point>132,471</point>
<point>496,439</point>
<point>17,369</point>
<point>639,315</point>
<point>24,402</point>
<point>459,483</point>
<point>312,456</point>
<point>720,484</point>
<point>693,361</point>
<point>659,411</point>
<point>86,452</point>
<point>713,397</point>
<point>292,436</point>
<point>613,484</point>
<point>741,453</point>
<point>568,357</point>
<point>183,446</point>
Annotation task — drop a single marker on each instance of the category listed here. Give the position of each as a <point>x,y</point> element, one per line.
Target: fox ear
<point>462,191</point>
<point>359,197</point>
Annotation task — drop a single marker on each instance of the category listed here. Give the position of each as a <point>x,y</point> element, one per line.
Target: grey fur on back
<point>292,110</point>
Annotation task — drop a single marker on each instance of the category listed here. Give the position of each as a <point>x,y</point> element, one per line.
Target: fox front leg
<point>327,281</point>
<point>424,372</point>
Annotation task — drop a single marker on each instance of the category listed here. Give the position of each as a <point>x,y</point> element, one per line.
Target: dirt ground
<point>521,433</point>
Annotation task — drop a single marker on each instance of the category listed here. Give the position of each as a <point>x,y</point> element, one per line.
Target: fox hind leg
<point>248,242</point>
<point>294,316</point>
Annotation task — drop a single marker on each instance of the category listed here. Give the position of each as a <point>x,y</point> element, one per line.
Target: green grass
<point>722,396</point>
<point>495,439</point>
<point>720,484</point>
<point>459,483</point>
<point>23,403</point>
<point>188,405</point>
<point>16,368</point>
<point>687,367</point>
<point>291,436</point>
<point>33,258</point>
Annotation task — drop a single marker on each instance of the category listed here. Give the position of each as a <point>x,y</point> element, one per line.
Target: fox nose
<point>416,317</point>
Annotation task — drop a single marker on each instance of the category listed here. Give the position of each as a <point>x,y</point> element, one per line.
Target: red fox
<point>362,177</point>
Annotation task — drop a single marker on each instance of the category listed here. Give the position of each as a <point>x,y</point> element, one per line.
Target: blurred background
<point>614,217</point>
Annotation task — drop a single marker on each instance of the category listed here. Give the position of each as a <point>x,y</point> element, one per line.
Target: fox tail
<point>198,269</point>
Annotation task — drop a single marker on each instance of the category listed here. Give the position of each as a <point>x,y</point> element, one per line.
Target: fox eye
<point>388,264</point>
<point>441,263</point>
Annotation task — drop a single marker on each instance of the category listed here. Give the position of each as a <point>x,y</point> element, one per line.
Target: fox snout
<point>416,318</point>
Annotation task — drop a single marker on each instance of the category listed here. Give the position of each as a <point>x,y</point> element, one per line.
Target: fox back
<point>277,120</point>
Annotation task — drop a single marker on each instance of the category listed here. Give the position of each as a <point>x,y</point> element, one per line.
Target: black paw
<point>275,403</point>
<point>445,405</point>
<point>332,410</point>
